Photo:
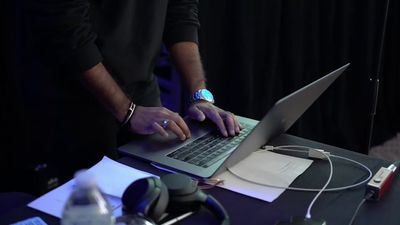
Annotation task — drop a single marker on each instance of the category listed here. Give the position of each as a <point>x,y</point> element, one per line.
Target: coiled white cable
<point>305,149</point>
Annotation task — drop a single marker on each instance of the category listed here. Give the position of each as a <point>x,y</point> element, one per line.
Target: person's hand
<point>226,121</point>
<point>150,120</point>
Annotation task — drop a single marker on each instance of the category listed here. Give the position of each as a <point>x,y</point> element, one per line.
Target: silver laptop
<point>208,153</point>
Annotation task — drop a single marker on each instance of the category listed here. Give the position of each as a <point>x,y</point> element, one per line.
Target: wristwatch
<point>203,94</point>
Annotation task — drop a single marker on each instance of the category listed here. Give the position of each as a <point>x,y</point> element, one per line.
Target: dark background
<point>257,51</point>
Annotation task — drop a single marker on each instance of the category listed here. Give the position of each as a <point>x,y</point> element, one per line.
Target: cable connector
<point>318,153</point>
<point>267,147</point>
<point>381,182</point>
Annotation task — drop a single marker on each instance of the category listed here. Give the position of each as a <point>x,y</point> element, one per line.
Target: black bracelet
<point>129,114</point>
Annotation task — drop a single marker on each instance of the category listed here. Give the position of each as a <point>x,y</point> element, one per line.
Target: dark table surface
<point>336,208</point>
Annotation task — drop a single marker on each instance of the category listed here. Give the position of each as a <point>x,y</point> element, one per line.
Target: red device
<point>380,182</point>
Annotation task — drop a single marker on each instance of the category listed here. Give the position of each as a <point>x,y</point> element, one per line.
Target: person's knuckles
<point>178,131</point>
<point>176,117</point>
<point>161,111</point>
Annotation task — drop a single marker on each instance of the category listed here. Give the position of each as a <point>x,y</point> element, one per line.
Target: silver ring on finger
<point>165,123</point>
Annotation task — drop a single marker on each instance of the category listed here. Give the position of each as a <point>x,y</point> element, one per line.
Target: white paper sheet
<point>263,167</point>
<point>112,178</point>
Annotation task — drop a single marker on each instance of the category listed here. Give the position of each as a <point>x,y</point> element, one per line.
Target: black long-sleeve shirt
<point>126,35</point>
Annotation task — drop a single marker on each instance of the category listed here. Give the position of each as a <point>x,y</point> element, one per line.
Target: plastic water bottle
<point>86,205</point>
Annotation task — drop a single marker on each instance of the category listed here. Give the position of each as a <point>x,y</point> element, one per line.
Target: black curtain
<point>257,51</point>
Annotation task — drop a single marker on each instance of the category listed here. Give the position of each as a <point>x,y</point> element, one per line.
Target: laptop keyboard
<point>210,148</point>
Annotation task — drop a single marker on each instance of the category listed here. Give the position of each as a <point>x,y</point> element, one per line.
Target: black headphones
<point>150,198</point>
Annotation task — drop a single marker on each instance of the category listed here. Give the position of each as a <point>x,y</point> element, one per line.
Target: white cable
<point>283,148</point>
<point>308,215</point>
<point>305,149</point>
<point>315,152</point>
<point>310,189</point>
<point>297,147</point>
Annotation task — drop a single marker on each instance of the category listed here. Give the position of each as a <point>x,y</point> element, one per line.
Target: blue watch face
<point>207,95</point>
<point>203,94</point>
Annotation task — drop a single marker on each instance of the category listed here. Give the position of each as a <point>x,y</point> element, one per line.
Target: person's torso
<point>129,36</point>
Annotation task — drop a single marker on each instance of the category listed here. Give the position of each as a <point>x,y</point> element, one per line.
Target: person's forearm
<point>187,59</point>
<point>100,83</point>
